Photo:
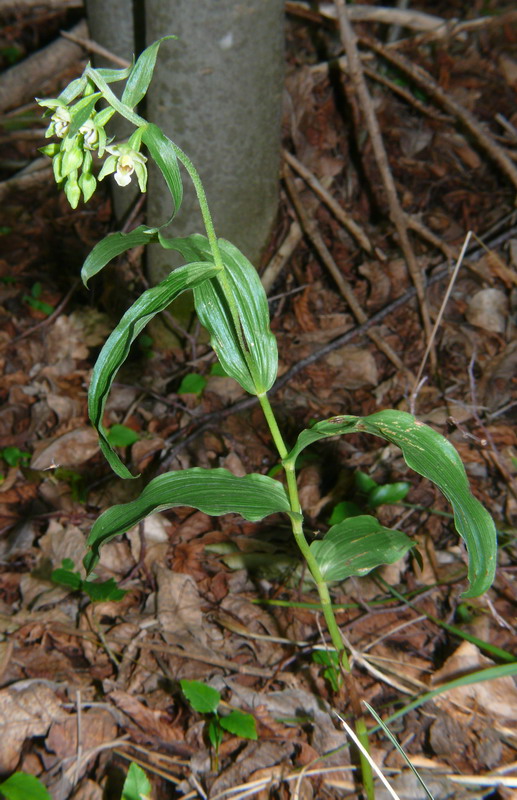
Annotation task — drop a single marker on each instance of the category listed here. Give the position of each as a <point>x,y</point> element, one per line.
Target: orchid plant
<point>232,305</point>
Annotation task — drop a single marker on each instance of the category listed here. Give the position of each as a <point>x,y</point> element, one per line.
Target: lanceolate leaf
<point>81,111</point>
<point>356,546</point>
<point>431,455</point>
<point>214,491</point>
<point>112,246</point>
<point>162,152</point>
<point>214,313</point>
<point>141,74</point>
<point>116,348</point>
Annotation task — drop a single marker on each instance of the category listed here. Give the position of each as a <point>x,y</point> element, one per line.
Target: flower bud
<point>72,190</point>
<point>87,184</point>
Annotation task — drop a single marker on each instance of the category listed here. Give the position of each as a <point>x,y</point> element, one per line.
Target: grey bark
<point>217,93</point>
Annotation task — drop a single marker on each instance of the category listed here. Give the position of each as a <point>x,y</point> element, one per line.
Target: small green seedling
<point>97,592</point>
<point>330,661</point>
<point>21,786</point>
<point>206,700</point>
<point>369,493</point>
<point>122,436</point>
<point>15,457</point>
<point>192,384</point>
<point>137,785</point>
<point>34,302</point>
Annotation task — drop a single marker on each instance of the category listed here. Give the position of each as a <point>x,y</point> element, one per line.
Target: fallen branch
<point>396,212</point>
<point>21,82</point>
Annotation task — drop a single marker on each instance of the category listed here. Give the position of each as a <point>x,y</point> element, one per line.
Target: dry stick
<point>93,47</point>
<point>341,215</point>
<point>406,95</point>
<point>396,213</point>
<point>314,235</point>
<point>417,383</point>
<point>424,79</point>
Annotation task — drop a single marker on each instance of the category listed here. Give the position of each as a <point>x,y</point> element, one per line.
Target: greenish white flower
<point>60,124</point>
<point>124,161</point>
<point>90,134</point>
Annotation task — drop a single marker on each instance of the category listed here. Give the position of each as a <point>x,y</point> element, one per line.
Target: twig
<point>93,47</point>
<point>406,95</point>
<point>424,79</point>
<point>417,384</point>
<point>396,213</point>
<point>313,233</point>
<point>339,212</point>
<point>282,256</point>
<point>79,737</point>
<point>48,321</point>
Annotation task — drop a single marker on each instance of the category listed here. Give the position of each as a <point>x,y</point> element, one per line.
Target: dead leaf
<point>97,728</point>
<point>356,367</point>
<point>496,698</point>
<point>25,711</point>
<point>154,722</point>
<point>488,309</point>
<point>68,450</point>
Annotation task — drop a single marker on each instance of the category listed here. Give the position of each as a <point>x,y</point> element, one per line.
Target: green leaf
<point>122,436</point>
<point>344,510</point>
<point>73,90</point>
<point>388,493</point>
<point>113,75</point>
<point>141,74</point>
<point>162,152</point>
<point>112,246</point>
<point>219,370</point>
<point>215,732</point>
<point>116,348</point>
<point>214,491</point>
<point>81,112</point>
<point>203,699</point>
<point>363,482</point>
<point>101,592</point>
<point>21,786</point>
<point>67,578</point>
<point>137,785</point>
<point>192,384</point>
<point>356,546</point>
<point>252,306</point>
<point>14,456</point>
<point>431,455</point>
<point>240,724</point>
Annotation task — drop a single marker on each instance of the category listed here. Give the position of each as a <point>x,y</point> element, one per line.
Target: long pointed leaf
<point>116,348</point>
<point>356,546</point>
<point>162,152</point>
<point>213,311</point>
<point>142,73</point>
<point>431,455</point>
<point>214,491</point>
<point>112,246</point>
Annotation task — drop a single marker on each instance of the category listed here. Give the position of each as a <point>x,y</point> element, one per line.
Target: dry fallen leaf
<point>25,711</point>
<point>97,728</point>
<point>488,309</point>
<point>69,450</point>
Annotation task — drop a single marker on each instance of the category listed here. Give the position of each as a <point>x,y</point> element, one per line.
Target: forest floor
<point>88,687</point>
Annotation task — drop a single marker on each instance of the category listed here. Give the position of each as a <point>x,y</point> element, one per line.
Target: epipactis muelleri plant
<point>231,304</point>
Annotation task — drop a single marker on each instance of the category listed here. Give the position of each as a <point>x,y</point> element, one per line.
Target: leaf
<point>388,493</point>
<point>240,724</point>
<point>142,73</point>
<point>137,785</point>
<point>80,112</point>
<point>113,245</point>
<point>344,510</point>
<point>214,491</point>
<point>356,546</point>
<point>122,436</point>
<point>255,371</point>
<point>162,152</point>
<point>113,75</point>
<point>21,786</point>
<point>101,592</point>
<point>203,699</point>
<point>65,577</point>
<point>192,384</point>
<point>116,348</point>
<point>431,455</point>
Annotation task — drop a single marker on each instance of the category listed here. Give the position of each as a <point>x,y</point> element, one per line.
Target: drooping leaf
<point>203,699</point>
<point>431,455</point>
<point>142,73</point>
<point>240,724</point>
<point>112,246</point>
<point>162,152</point>
<point>356,546</point>
<point>257,371</point>
<point>214,491</point>
<point>137,785</point>
<point>116,348</point>
<point>22,786</point>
